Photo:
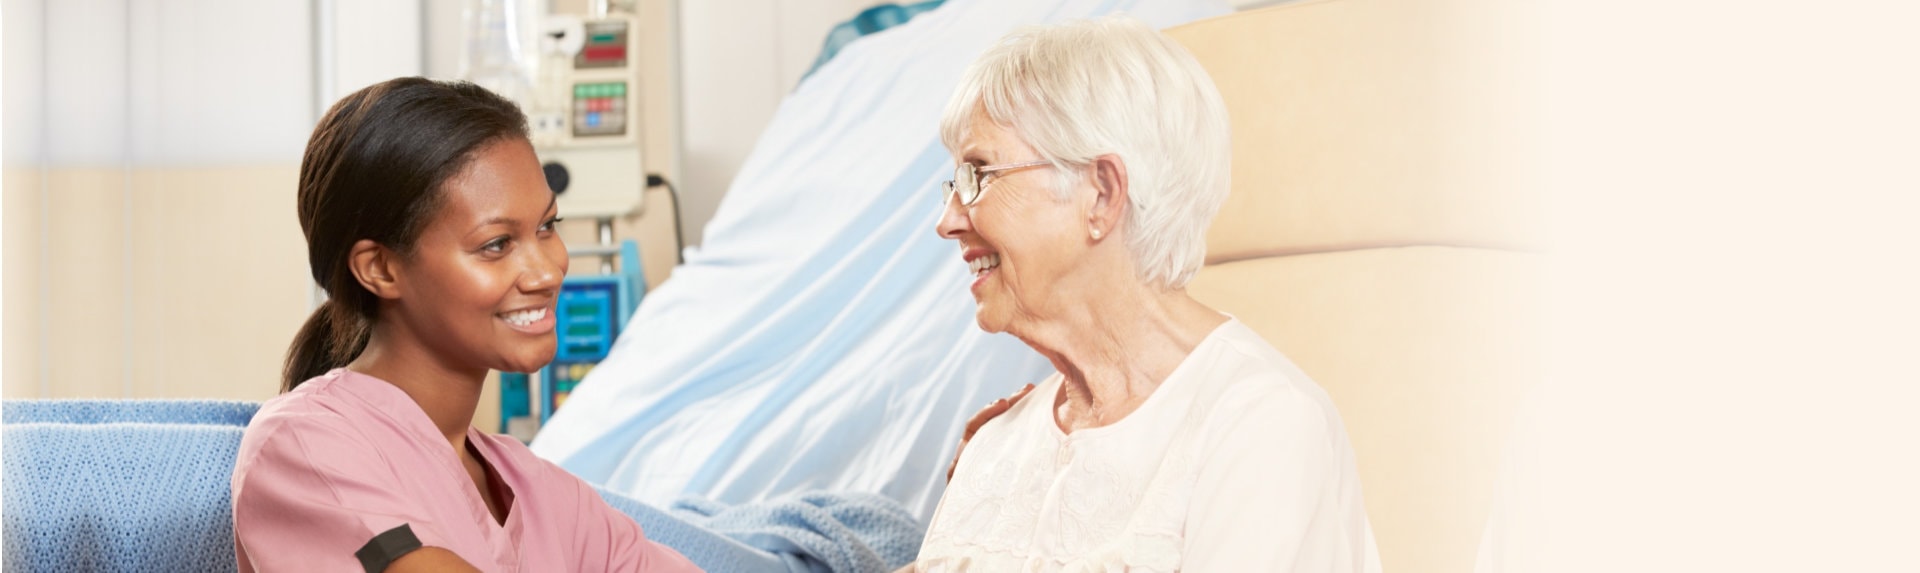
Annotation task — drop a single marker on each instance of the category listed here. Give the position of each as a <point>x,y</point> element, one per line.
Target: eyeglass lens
<point>966,183</point>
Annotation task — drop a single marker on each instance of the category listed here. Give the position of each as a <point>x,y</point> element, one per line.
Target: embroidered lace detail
<point>1095,505</point>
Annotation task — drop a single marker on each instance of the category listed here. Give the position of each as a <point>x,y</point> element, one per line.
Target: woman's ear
<point>375,266</point>
<point>1110,200</point>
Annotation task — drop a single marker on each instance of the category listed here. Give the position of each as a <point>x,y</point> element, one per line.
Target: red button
<point>604,53</point>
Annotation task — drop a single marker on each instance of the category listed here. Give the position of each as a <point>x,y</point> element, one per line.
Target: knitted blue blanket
<point>815,532</point>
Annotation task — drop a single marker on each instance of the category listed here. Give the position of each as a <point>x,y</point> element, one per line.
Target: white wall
<point>22,65</point>
<point>187,82</point>
<point>162,81</point>
<point>374,41</point>
<point>738,58</point>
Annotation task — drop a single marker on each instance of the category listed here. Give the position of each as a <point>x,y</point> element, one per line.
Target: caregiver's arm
<point>430,560</point>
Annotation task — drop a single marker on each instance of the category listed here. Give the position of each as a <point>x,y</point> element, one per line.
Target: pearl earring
<point>1096,233</point>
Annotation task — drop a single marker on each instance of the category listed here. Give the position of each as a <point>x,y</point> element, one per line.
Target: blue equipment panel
<point>516,400</point>
<point>587,320</point>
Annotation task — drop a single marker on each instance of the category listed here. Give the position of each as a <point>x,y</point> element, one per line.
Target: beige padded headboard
<point>1379,233</point>
<point>1363,123</point>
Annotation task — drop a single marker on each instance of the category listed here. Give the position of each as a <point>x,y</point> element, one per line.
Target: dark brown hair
<point>374,170</point>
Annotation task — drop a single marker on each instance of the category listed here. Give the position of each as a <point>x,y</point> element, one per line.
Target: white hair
<point>1082,89</point>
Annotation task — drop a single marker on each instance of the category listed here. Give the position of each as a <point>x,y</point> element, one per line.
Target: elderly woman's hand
<point>981,418</point>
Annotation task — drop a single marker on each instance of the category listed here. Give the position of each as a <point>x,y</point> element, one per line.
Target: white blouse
<point>1237,462</point>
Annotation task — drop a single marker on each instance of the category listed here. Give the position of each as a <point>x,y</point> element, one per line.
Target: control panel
<point>585,121</point>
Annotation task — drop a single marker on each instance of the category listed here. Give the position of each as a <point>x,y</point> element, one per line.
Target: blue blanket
<point>816,532</point>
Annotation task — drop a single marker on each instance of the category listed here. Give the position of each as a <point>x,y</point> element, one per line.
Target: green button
<point>602,38</point>
<point>619,90</point>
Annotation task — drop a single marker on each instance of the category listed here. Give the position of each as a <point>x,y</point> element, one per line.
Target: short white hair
<point>1082,89</point>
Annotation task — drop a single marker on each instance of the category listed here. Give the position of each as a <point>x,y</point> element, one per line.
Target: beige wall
<point>175,282</point>
<point>149,283</point>
<point>20,293</point>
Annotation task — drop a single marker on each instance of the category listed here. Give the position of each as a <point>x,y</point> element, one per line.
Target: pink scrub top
<point>329,474</point>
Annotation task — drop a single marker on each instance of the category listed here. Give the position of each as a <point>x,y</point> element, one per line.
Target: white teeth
<point>525,317</point>
<point>984,263</point>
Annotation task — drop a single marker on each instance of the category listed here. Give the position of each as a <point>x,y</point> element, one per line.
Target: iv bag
<point>502,52</point>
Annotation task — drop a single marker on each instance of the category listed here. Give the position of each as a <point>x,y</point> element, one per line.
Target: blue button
<point>593,119</point>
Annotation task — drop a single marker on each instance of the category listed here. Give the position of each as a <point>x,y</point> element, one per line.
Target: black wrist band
<point>380,551</point>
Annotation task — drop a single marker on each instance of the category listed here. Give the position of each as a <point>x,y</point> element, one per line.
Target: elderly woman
<point>1091,157</point>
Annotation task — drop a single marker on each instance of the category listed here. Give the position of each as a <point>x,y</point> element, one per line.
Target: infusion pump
<point>584,115</point>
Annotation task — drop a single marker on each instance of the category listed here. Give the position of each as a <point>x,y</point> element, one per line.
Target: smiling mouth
<point>984,263</point>
<point>524,317</point>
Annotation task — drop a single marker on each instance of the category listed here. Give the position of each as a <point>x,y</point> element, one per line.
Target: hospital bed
<point>821,337</point>
<point>1380,232</point>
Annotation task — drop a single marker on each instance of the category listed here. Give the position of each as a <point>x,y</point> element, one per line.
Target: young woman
<point>431,227</point>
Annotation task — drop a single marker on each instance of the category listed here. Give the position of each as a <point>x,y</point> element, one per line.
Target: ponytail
<point>330,339</point>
